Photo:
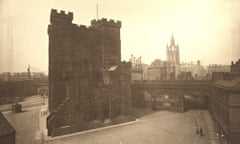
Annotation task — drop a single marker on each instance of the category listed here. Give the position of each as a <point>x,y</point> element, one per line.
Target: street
<point>32,101</point>
<point>160,127</point>
<point>154,127</point>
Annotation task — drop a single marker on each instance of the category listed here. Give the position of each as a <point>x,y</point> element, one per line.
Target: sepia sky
<point>206,30</point>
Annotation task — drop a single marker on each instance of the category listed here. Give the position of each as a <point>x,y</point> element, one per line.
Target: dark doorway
<point>106,109</point>
<point>195,102</point>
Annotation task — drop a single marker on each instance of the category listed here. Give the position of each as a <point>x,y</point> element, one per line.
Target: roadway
<point>31,101</point>
<point>160,127</point>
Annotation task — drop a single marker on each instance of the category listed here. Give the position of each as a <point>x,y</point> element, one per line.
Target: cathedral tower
<point>173,52</point>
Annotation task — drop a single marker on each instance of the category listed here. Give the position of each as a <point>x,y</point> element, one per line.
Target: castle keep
<point>87,80</point>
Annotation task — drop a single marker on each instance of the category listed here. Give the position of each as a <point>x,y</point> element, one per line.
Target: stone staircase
<point>54,114</point>
<point>61,105</point>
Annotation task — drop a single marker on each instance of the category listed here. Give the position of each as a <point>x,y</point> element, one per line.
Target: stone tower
<point>109,44</point>
<point>110,40</point>
<point>173,52</point>
<point>87,80</point>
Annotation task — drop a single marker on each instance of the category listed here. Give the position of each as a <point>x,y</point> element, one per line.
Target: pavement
<point>32,101</point>
<point>161,127</point>
<point>26,124</point>
<point>154,127</point>
<point>91,130</point>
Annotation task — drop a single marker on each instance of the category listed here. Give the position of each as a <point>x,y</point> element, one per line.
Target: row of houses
<point>224,105</point>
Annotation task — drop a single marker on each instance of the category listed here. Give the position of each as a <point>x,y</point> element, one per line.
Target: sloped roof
<point>235,83</point>
<point>113,68</point>
<point>5,126</point>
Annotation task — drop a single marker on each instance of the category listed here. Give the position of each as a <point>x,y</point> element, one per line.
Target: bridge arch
<point>163,100</point>
<point>171,95</point>
<point>195,100</point>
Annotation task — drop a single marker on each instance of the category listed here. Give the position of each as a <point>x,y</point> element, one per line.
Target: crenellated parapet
<point>61,17</point>
<point>82,27</point>
<point>104,21</point>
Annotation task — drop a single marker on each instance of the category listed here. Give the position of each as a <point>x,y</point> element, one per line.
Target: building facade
<point>197,70</point>
<point>161,70</point>
<point>217,68</point>
<point>225,106</point>
<point>87,80</point>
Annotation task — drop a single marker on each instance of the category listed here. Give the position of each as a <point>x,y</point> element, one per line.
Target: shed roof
<point>235,83</point>
<point>5,126</point>
<point>113,68</point>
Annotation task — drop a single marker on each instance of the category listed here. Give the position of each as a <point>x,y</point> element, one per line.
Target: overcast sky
<point>206,30</point>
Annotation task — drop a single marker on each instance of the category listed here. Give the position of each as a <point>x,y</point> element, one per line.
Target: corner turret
<point>61,17</point>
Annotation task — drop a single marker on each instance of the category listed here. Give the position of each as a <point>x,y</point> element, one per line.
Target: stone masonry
<point>87,80</point>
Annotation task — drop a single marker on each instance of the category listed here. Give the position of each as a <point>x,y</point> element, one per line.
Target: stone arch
<point>138,98</point>
<point>167,100</point>
<point>195,99</point>
<point>147,99</point>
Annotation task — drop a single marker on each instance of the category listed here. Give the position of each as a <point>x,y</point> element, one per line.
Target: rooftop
<point>5,126</point>
<point>235,83</point>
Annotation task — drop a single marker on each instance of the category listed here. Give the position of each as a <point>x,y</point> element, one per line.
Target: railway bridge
<point>175,95</point>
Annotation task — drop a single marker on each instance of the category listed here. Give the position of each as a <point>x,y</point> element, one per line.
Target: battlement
<point>61,17</point>
<point>82,27</point>
<point>104,21</point>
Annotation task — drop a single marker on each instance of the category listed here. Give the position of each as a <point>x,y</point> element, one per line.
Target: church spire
<point>173,51</point>
<point>172,44</point>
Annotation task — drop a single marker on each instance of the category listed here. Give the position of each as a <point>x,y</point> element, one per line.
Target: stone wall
<point>126,88</point>
<point>86,75</point>
<point>225,109</point>
<point>9,90</point>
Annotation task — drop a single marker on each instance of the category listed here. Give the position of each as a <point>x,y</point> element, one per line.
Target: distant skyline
<point>206,30</point>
